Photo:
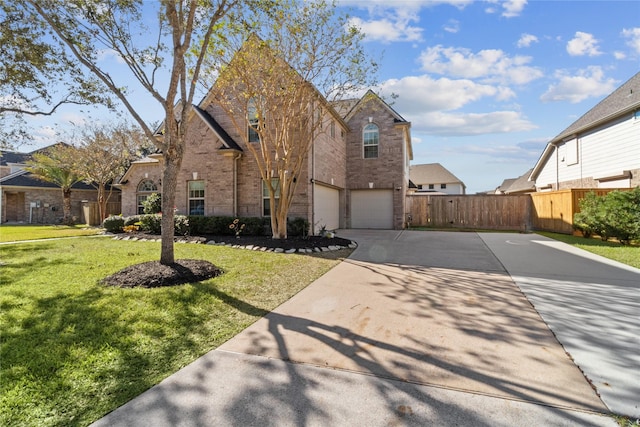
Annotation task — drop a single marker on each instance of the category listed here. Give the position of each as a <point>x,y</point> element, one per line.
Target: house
<point>599,150</point>
<point>27,199</point>
<point>356,174</point>
<point>436,179</point>
<point>520,185</point>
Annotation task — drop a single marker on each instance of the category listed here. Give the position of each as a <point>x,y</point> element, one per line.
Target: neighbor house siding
<point>604,151</point>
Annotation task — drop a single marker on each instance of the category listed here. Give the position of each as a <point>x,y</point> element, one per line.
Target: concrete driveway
<point>415,328</point>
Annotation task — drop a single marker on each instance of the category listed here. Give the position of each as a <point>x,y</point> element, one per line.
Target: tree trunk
<point>67,219</point>
<point>169,183</point>
<point>102,202</point>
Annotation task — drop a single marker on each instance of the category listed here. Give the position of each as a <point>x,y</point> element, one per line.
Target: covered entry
<point>372,209</point>
<point>326,206</point>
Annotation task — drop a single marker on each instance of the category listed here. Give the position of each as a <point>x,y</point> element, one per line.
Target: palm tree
<point>56,165</point>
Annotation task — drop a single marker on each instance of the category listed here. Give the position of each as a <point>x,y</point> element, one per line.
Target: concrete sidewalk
<point>415,328</point>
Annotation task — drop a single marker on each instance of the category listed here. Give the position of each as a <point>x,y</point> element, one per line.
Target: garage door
<point>372,209</point>
<point>326,202</point>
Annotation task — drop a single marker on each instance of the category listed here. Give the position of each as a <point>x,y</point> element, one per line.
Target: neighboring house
<point>518,185</point>
<point>27,199</point>
<point>435,178</point>
<point>599,150</point>
<point>356,174</point>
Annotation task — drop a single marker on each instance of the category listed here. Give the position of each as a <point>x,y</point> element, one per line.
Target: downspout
<point>235,183</point>
<point>557,168</point>
<point>1,205</point>
<point>312,227</point>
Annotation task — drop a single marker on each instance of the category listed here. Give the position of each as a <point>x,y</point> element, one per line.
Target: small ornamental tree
<point>275,88</point>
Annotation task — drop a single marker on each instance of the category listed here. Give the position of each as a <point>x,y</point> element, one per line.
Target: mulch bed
<point>153,274</point>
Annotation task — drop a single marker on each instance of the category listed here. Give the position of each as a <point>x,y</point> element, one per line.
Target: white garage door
<point>372,209</point>
<point>326,202</point>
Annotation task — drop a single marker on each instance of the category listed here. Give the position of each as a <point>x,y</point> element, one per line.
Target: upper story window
<point>443,186</point>
<point>252,112</point>
<point>196,197</point>
<point>144,190</point>
<point>370,141</point>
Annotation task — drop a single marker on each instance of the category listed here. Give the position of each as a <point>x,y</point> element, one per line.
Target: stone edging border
<point>310,250</point>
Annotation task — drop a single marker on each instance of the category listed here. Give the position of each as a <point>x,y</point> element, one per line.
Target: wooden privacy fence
<point>91,213</point>
<point>546,211</point>
<point>553,211</point>
<point>491,212</point>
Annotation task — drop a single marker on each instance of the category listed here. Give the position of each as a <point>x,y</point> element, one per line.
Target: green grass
<point>73,350</point>
<point>627,254</point>
<point>12,233</point>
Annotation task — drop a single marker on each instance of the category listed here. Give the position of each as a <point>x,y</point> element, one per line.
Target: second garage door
<point>372,209</point>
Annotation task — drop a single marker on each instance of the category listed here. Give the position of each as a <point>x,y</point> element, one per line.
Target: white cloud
<point>109,54</point>
<point>396,28</point>
<point>492,65</point>
<point>527,150</point>
<point>511,8</point>
<point>452,26</point>
<point>633,36</point>
<point>526,40</point>
<point>469,124</point>
<point>619,55</point>
<point>403,4</point>
<point>586,84</point>
<point>425,94</point>
<point>583,44</point>
<point>427,103</point>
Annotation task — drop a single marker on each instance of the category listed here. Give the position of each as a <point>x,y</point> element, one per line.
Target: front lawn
<point>73,350</point>
<point>12,233</point>
<point>627,254</point>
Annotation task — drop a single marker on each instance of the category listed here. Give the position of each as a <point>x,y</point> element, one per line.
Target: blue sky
<point>485,84</point>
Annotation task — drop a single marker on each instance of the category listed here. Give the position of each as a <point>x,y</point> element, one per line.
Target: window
<point>431,186</point>
<point>145,189</point>
<point>370,140</point>
<point>443,186</point>
<point>266,206</point>
<point>252,112</point>
<point>332,129</point>
<point>196,197</point>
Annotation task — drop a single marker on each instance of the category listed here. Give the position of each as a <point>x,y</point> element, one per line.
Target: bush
<point>153,204</point>
<point>114,224</point>
<point>132,220</point>
<point>616,214</point>
<point>297,227</point>
<point>152,224</point>
<point>219,225</point>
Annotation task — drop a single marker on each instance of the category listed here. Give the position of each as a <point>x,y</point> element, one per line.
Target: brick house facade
<point>220,177</point>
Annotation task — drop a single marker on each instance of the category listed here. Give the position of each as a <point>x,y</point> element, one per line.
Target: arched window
<point>145,189</point>
<point>370,141</point>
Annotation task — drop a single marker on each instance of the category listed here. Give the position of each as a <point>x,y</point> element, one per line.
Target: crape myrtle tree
<point>104,152</point>
<point>162,45</point>
<point>277,83</point>
<point>56,164</point>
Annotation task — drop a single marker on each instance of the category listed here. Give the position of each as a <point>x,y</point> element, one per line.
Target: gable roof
<point>366,97</point>
<point>623,100</point>
<point>228,142</point>
<point>12,157</point>
<point>518,185</point>
<point>432,173</point>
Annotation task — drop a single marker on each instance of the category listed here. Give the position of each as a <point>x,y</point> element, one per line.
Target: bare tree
<point>273,84</point>
<point>104,153</point>
<point>175,44</point>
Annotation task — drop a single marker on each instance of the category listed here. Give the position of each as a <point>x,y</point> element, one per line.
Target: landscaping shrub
<point>219,225</point>
<point>152,224</point>
<point>113,224</point>
<point>132,220</point>
<point>153,204</point>
<point>616,214</point>
<point>297,227</point>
